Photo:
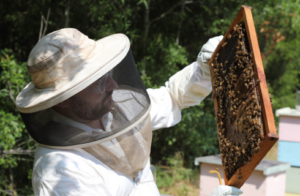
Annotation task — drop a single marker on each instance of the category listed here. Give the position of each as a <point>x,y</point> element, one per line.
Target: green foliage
<point>171,177</point>
<point>13,78</point>
<point>13,134</point>
<point>165,36</point>
<point>279,34</point>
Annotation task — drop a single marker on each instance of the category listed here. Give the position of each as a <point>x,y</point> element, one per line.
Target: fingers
<point>212,44</point>
<point>223,190</point>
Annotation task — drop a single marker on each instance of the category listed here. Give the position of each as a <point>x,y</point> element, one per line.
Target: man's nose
<point>111,84</point>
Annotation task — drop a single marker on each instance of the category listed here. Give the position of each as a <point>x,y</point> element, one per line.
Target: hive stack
<point>289,146</point>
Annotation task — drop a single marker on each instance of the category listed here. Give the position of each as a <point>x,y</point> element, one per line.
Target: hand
<point>206,53</point>
<point>223,190</point>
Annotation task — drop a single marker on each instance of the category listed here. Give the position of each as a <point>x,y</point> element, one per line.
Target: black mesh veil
<point>128,115</point>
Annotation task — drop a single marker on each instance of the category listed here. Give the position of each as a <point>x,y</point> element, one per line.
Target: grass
<point>174,179</point>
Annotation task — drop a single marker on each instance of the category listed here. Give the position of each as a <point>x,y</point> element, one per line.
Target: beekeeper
<point>92,117</point>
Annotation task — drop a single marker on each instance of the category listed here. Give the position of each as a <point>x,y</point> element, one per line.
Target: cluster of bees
<point>239,116</point>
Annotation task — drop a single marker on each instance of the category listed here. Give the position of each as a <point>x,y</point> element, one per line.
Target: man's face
<point>94,101</point>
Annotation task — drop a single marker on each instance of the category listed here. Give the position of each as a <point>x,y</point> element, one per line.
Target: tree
<point>165,37</point>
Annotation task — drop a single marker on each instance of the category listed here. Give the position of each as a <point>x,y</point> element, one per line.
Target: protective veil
<point>124,143</point>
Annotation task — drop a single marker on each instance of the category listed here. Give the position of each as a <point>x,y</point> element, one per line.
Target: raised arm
<point>186,88</point>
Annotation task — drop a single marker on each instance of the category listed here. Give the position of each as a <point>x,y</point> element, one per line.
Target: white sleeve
<point>186,88</point>
<point>70,179</point>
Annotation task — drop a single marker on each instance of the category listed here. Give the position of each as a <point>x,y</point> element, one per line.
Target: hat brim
<point>112,50</point>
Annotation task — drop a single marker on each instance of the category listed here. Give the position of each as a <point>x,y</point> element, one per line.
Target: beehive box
<point>289,133</point>
<point>242,103</point>
<point>268,178</point>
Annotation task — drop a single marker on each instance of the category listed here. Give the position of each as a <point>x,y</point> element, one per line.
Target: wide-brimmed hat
<point>64,63</point>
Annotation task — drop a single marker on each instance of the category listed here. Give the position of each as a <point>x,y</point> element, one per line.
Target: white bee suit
<point>76,172</point>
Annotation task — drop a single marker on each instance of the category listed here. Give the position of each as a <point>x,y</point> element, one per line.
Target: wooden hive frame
<point>270,133</point>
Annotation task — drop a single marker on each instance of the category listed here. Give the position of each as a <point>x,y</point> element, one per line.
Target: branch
<point>67,14</point>
<point>17,151</point>
<point>9,92</point>
<point>180,23</point>
<point>46,23</point>
<point>170,10</point>
<point>146,25</point>
<point>41,29</point>
<point>43,20</point>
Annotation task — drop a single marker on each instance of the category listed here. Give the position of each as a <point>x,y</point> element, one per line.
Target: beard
<point>90,111</point>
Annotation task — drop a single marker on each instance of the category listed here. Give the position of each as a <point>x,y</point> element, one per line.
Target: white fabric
<point>223,190</point>
<point>205,54</point>
<point>75,172</point>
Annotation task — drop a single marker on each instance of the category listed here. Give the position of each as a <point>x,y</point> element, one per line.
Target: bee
<point>244,59</point>
<point>235,28</point>
<point>258,141</point>
<point>246,85</point>
<point>258,81</point>
<point>258,128</point>
<point>255,112</point>
<point>245,53</point>
<point>243,151</point>
<point>228,36</point>
<point>228,144</point>
<point>224,44</point>
<point>216,70</point>
<point>259,108</point>
<point>236,159</point>
<point>240,176</point>
<point>217,54</point>
<point>256,150</point>
<point>237,148</point>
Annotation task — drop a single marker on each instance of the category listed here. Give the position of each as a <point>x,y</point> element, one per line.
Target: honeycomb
<point>239,114</point>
